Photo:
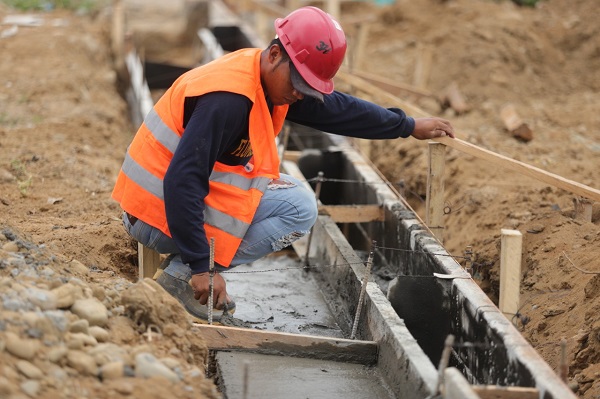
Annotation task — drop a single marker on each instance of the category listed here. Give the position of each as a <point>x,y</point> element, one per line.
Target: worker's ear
<point>275,54</point>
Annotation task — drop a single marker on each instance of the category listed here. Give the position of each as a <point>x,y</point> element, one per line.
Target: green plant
<point>527,3</point>
<point>24,179</point>
<point>85,5</point>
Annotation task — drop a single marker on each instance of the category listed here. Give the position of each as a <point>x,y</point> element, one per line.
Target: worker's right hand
<point>430,128</point>
<point>201,285</point>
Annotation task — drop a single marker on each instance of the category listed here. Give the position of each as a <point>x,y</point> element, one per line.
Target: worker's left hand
<point>201,285</point>
<point>429,128</point>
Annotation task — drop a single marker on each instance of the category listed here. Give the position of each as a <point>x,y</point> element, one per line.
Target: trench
<point>426,309</point>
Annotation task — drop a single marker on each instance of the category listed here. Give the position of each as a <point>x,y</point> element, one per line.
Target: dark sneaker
<point>184,293</point>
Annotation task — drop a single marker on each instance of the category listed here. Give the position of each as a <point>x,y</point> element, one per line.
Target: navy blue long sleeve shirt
<point>216,129</point>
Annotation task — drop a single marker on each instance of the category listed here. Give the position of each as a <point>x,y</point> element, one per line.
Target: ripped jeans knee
<point>287,240</point>
<point>286,213</point>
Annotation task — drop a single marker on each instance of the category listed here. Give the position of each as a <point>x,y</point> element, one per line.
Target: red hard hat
<point>315,43</point>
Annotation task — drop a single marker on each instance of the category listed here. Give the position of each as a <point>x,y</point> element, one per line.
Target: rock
<point>108,353</point>
<point>146,366</point>
<point>6,387</point>
<point>111,371</point>
<point>58,319</point>
<point>99,333</point>
<point>6,176</point>
<point>86,339</point>
<point>98,293</point>
<point>592,288</point>
<point>43,299</point>
<point>82,362</point>
<point>66,295</point>
<point>80,326</point>
<point>22,348</point>
<point>57,353</point>
<point>123,387</point>
<point>170,362</point>
<point>31,388</point>
<point>29,370</point>
<point>92,310</point>
<point>10,246</point>
<point>76,267</point>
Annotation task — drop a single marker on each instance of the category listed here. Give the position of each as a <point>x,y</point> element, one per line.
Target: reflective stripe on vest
<point>212,216</point>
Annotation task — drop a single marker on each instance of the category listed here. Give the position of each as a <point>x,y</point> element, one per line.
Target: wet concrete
<point>284,377</point>
<point>276,294</point>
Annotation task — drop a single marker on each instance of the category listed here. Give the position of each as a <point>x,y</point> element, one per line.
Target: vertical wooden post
<point>361,42</point>
<point>291,5</point>
<point>263,23</point>
<point>423,66</point>
<point>510,271</point>
<point>583,209</point>
<point>148,261</point>
<point>434,216</point>
<point>333,8</point>
<point>118,36</point>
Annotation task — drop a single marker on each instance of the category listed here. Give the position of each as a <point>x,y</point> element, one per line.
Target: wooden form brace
<point>288,344</point>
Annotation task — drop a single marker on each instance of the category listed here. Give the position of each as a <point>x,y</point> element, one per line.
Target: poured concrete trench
<point>407,311</point>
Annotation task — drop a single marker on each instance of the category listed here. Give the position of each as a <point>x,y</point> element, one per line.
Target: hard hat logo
<point>315,43</point>
<point>323,47</point>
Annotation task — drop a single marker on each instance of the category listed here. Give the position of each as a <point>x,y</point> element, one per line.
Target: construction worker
<point>204,162</point>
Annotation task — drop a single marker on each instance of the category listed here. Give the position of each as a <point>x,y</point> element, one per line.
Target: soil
<point>64,128</point>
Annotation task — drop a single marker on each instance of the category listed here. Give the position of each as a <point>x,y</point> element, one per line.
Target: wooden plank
<point>455,99</point>
<point>148,262</point>
<point>434,217</point>
<point>456,385</point>
<point>514,124</point>
<point>510,271</point>
<point>468,148</point>
<point>522,168</point>
<point>389,85</point>
<point>423,66</point>
<point>353,213</point>
<point>496,392</point>
<point>287,344</point>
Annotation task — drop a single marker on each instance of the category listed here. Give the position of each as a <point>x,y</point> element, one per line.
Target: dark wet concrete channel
<point>276,294</point>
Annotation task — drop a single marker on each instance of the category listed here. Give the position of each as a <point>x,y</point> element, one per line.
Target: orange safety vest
<point>234,191</point>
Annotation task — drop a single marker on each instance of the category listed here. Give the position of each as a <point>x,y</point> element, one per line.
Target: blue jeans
<point>286,213</point>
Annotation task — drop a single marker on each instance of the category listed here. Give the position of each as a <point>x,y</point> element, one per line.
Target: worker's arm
<point>347,115</point>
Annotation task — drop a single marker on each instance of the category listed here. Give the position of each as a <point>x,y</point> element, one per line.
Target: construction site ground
<point>64,128</point>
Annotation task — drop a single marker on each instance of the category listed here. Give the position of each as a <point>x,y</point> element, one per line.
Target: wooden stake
<point>434,216</point>
<point>510,271</point>
<point>583,209</point>
<point>513,123</point>
<point>454,99</point>
<point>496,392</point>
<point>361,43</point>
<point>333,8</point>
<point>148,262</point>
<point>423,67</point>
